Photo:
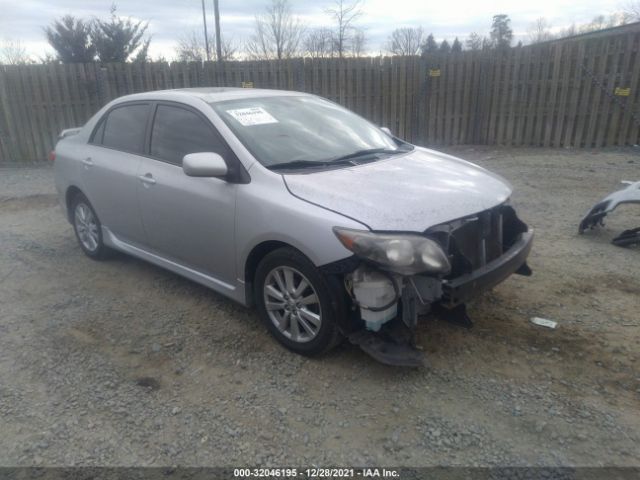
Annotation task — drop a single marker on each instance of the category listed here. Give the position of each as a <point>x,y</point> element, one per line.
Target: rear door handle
<point>148,179</point>
<point>87,162</point>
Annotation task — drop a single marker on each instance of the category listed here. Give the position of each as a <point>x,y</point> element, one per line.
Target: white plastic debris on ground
<point>544,322</point>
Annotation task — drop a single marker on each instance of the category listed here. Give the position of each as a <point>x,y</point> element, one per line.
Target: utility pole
<point>206,34</point>
<point>216,13</point>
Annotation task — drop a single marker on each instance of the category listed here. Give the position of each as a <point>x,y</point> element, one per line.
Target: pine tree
<point>429,46</point>
<point>501,32</point>
<point>70,37</point>
<point>117,39</point>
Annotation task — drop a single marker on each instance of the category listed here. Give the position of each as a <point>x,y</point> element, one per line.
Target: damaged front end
<point>402,276</point>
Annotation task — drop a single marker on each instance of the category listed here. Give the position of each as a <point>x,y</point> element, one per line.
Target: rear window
<point>124,128</point>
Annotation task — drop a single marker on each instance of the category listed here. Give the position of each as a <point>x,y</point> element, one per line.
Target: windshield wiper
<point>298,164</point>
<point>345,159</point>
<point>368,151</point>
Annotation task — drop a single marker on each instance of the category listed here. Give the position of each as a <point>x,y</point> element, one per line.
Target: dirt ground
<point>122,363</point>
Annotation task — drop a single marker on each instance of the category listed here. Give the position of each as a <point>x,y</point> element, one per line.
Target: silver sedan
<point>328,224</point>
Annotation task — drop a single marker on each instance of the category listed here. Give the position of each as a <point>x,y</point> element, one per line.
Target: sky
<point>24,20</point>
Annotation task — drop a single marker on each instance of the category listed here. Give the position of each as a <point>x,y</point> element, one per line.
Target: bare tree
<point>358,43</point>
<point>13,53</point>
<point>569,31</point>
<point>228,48</point>
<point>601,22</point>
<point>632,9</point>
<point>620,18</point>
<point>48,59</point>
<point>598,23</point>
<point>405,41</point>
<point>344,14</point>
<point>540,31</point>
<point>475,41</point>
<point>278,34</point>
<point>319,43</point>
<point>192,48</point>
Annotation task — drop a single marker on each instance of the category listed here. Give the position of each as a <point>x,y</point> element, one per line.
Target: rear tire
<point>88,228</point>
<point>296,303</point>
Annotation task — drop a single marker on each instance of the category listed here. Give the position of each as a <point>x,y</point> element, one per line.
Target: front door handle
<point>147,179</point>
<point>87,162</point>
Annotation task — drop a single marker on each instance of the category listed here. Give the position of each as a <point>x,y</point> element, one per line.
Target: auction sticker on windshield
<point>252,116</point>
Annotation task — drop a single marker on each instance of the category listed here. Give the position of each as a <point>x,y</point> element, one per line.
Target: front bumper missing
<point>394,343</point>
<point>461,289</point>
<point>595,216</point>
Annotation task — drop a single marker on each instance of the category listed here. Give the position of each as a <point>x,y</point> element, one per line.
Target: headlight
<point>401,253</point>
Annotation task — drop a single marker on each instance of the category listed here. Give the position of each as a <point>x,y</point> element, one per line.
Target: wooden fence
<point>581,93</point>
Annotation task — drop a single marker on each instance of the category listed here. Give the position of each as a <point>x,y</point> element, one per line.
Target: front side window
<point>288,129</point>
<point>99,132</point>
<point>124,128</point>
<point>177,132</point>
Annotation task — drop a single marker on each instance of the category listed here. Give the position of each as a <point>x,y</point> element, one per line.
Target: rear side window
<point>177,132</point>
<point>124,128</point>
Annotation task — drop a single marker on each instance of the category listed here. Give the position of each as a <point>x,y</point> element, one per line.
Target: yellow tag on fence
<point>247,84</point>
<point>434,72</point>
<point>622,92</point>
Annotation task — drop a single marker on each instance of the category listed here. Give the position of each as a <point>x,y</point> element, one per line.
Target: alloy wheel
<point>292,304</point>
<point>87,227</point>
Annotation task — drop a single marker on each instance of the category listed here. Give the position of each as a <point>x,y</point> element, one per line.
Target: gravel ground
<point>121,363</point>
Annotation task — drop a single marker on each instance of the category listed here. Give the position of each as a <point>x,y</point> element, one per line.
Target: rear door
<point>110,169</point>
<point>187,219</point>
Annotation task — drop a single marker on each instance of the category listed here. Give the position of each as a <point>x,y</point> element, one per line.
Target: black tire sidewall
<point>326,337</point>
<point>99,252</point>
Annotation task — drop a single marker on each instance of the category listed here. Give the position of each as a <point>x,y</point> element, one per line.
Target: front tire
<point>88,228</point>
<point>296,303</point>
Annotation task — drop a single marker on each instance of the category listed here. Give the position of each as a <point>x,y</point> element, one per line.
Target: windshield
<point>304,129</point>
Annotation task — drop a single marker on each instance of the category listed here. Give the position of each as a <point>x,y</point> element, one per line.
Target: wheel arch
<point>71,193</point>
<point>256,254</point>
<point>332,272</point>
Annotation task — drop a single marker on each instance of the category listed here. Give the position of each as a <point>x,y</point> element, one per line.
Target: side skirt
<point>235,293</point>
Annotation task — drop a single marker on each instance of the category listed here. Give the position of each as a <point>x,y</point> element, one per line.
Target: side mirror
<point>205,164</point>
<point>387,131</point>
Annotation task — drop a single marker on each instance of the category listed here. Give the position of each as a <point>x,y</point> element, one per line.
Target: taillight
<point>52,155</point>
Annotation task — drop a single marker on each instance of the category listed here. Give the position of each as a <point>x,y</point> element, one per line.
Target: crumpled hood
<point>410,192</point>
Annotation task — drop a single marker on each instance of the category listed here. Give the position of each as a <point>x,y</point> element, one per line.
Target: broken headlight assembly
<point>405,254</point>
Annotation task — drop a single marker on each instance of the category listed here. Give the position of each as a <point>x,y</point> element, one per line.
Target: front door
<point>188,220</point>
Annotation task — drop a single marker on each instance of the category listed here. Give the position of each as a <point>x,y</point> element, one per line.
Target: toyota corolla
<point>328,224</point>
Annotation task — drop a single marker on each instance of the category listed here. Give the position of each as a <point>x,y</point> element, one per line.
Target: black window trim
<point>101,123</point>
<point>105,117</point>
<point>238,174</point>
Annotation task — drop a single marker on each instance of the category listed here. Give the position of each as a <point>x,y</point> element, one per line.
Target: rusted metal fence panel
<point>581,93</point>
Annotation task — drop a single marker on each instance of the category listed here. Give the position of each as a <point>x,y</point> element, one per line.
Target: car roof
<point>208,94</point>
